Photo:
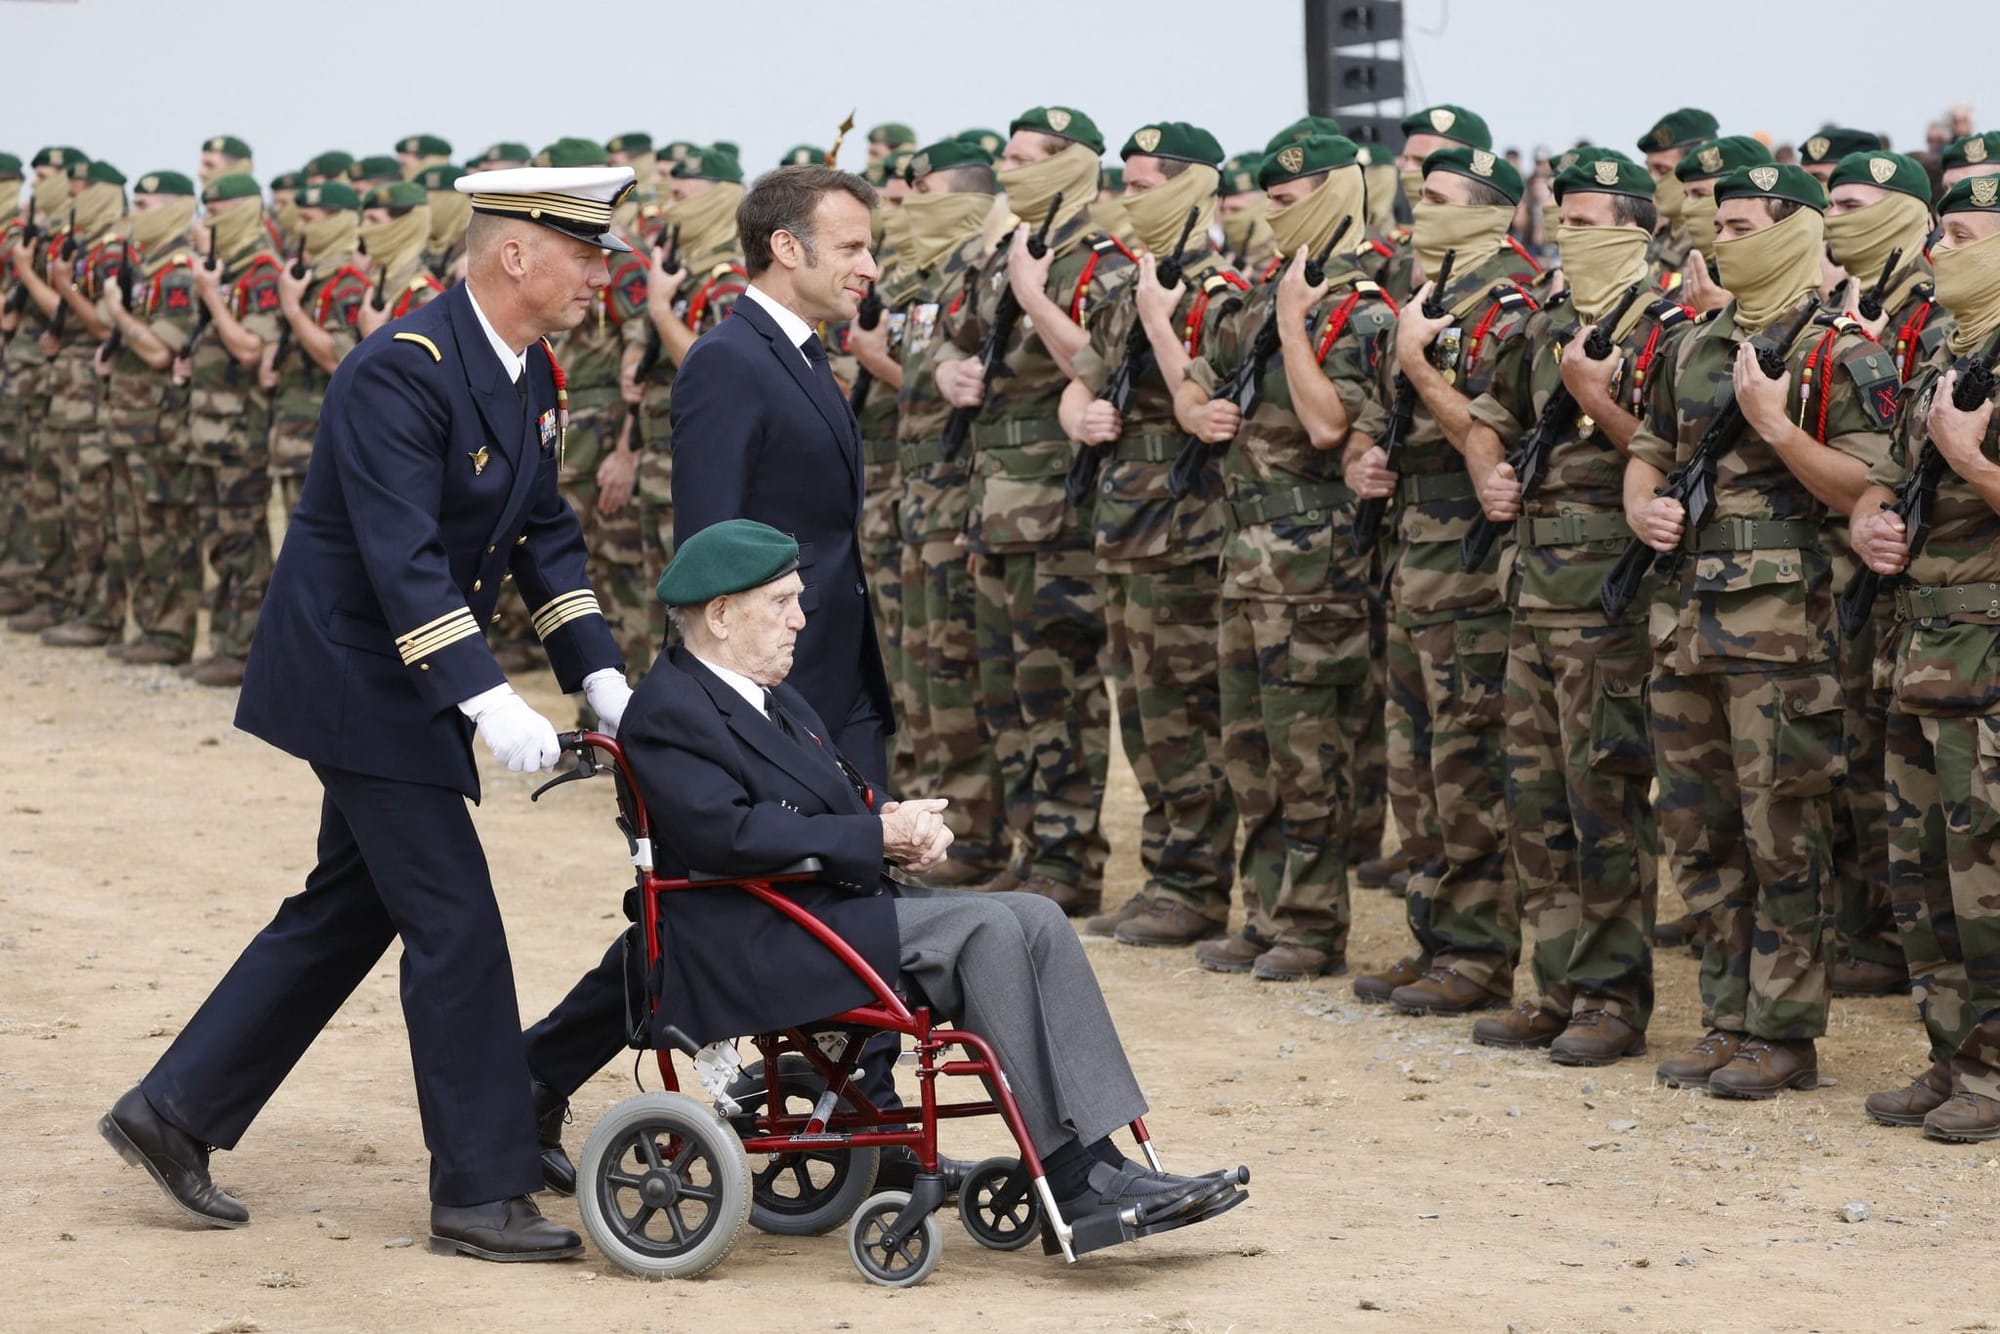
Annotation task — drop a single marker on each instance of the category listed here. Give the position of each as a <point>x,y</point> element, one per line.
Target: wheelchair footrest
<point>1113,1227</point>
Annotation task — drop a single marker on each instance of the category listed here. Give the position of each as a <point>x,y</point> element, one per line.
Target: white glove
<point>607,694</point>
<point>519,737</point>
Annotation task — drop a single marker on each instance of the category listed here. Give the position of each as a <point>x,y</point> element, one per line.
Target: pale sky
<point>295,77</point>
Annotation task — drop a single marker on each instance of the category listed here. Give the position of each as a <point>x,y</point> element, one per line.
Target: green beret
<point>1584,154</point>
<point>1719,157</point>
<point>163,183</point>
<point>944,155</point>
<point>1606,175</point>
<point>1833,143</point>
<point>895,164</point>
<point>1450,122</point>
<point>1063,122</point>
<point>1970,150</point>
<point>377,168</point>
<point>396,194</point>
<point>59,157</point>
<point>1891,171</point>
<point>423,145</point>
<point>636,142</point>
<point>1112,179</point>
<point>1175,139</point>
<point>709,164</point>
<point>1476,164</point>
<point>728,146</point>
<point>1308,157</point>
<point>233,186</point>
<point>288,180</point>
<point>570,151</point>
<point>1973,194</point>
<point>678,149</point>
<point>1239,174</point>
<point>892,133</point>
<point>1773,180</point>
<point>1302,128</point>
<point>10,167</point>
<point>990,140</point>
<point>99,172</point>
<point>803,155</point>
<point>724,558</point>
<point>333,162</point>
<point>506,152</point>
<point>226,144</point>
<point>330,194</point>
<point>1678,129</point>
<point>439,177</point>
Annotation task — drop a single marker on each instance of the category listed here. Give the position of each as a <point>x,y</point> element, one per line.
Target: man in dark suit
<point>433,482</point>
<point>761,431</point>
<point>739,775</point>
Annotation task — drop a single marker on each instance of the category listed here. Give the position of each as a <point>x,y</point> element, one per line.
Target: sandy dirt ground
<point>1404,1179</point>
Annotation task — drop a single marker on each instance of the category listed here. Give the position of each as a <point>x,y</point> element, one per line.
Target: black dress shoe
<point>504,1230</point>
<point>898,1171</point>
<point>1156,1195</point>
<point>172,1158</point>
<point>551,1111</point>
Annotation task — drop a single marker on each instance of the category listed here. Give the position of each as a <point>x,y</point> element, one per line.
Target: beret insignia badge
<point>1817,146</point>
<point>1058,119</point>
<point>1763,177</point>
<point>1148,139</point>
<point>1975,149</point>
<point>1881,169</point>
<point>1292,158</point>
<point>1442,120</point>
<point>1985,190</point>
<point>1606,172</point>
<point>1710,159</point>
<point>1482,162</point>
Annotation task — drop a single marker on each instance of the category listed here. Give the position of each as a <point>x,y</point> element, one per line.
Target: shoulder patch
<point>1877,384</point>
<point>422,342</point>
<point>1666,313</point>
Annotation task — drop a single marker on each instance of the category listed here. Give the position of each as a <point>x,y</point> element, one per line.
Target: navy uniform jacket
<point>729,793</point>
<point>754,439</point>
<point>430,484</point>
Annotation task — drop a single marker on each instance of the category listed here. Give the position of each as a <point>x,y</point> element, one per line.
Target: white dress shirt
<point>788,319</point>
<point>514,362</point>
<point>738,682</point>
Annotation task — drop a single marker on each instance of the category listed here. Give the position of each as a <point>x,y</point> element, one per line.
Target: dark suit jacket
<point>429,484</point>
<point>754,440</point>
<point>729,793</point>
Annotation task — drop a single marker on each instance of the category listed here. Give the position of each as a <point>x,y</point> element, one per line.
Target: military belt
<point>1146,448</point>
<point>1423,489</point>
<point>1740,534</point>
<point>1026,431</point>
<point>878,451</point>
<point>920,455</point>
<point>1267,504</point>
<point>1921,602</point>
<point>1571,530</point>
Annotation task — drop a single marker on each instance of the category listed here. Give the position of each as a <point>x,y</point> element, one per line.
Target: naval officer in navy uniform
<point>433,483</point>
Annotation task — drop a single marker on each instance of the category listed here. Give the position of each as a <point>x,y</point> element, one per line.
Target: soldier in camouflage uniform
<point>322,311</point>
<point>1746,700</point>
<point>1665,145</point>
<point>1944,718</point>
<point>17,544</point>
<point>1040,609</point>
<point>1156,554</point>
<point>1244,212</point>
<point>1878,204</point>
<point>1969,156</point>
<point>159,531</point>
<point>418,153</point>
<point>1579,753</point>
<point>1299,608</point>
<point>451,217</point>
<point>395,233</point>
<point>1448,627</point>
<point>1821,151</point>
<point>225,155</point>
<point>228,418</point>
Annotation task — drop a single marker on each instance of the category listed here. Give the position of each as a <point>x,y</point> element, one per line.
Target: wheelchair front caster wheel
<point>899,1265</point>
<point>996,1202</point>
<point>663,1187</point>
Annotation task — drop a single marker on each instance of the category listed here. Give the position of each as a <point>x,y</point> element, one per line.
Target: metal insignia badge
<point>1442,120</point>
<point>693,161</point>
<point>1763,177</point>
<point>1975,148</point>
<point>1244,185</point>
<point>1292,158</point>
<point>149,185</point>
<point>1148,139</point>
<point>920,166</point>
<point>1985,189</point>
<point>1881,169</point>
<point>1482,162</point>
<point>1663,137</point>
<point>1058,119</point>
<point>1710,159</point>
<point>479,458</point>
<point>1817,146</point>
<point>1566,161</point>
<point>1606,172</point>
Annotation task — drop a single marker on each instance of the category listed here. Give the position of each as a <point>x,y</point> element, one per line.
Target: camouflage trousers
<point>1447,686</point>
<point>55,569</point>
<point>882,566</point>
<point>1580,813</point>
<point>1040,618</point>
<point>96,591</point>
<point>1371,752</point>
<point>1294,680</point>
<point>233,494</point>
<point>617,570</point>
<point>159,536</point>
<point>290,486</point>
<point>656,529</point>
<point>1162,654</point>
<point>1748,762</point>
<point>1944,866</point>
<point>951,749</point>
<point>1406,751</point>
<point>20,558</point>
<point>1864,923</point>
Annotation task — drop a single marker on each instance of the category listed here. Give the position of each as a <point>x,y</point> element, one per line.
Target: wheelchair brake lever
<point>584,769</point>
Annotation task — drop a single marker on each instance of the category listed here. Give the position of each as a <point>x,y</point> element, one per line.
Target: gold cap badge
<point>1975,148</point>
<point>920,165</point>
<point>149,185</point>
<point>1605,171</point>
<point>1292,158</point>
<point>1482,162</point>
<point>1058,119</point>
<point>1710,159</point>
<point>1148,139</point>
<point>1817,145</point>
<point>1763,177</point>
<point>1881,169</point>
<point>1985,189</point>
<point>1442,119</point>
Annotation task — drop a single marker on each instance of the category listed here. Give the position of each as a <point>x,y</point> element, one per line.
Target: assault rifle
<point>298,270</point>
<point>1530,461</point>
<point>993,350</point>
<point>116,338</point>
<point>67,254</point>
<point>1871,300</point>
<point>649,354</point>
<point>1402,412</point>
<point>1693,483</point>
<point>17,295</point>
<point>869,316</point>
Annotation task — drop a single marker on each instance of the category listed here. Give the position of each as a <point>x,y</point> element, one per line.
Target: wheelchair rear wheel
<point>897,1266</point>
<point>997,1204</point>
<point>811,1192</point>
<point>663,1187</point>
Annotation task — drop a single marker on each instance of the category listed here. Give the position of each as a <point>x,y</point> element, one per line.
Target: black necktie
<point>782,719</point>
<point>812,745</point>
<point>822,374</point>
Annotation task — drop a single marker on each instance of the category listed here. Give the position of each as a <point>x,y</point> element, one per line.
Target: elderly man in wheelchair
<point>732,773</point>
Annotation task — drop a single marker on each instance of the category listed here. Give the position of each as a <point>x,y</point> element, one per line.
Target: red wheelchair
<point>665,1184</point>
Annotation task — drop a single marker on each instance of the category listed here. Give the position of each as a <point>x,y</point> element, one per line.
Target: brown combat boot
<point>76,634</point>
<point>1105,924</point>
<point>1861,977</point>
<point>1231,954</point>
<point>220,671</point>
<point>1293,962</point>
<point>1596,1037</point>
<point>1716,1049</point>
<point>32,621</point>
<point>1006,882</point>
<point>1377,987</point>
<point>1526,1025</point>
<point>1380,872</point>
<point>1682,930</point>
<point>1909,1106</point>
<point>1764,1069</point>
<point>1167,923</point>
<point>1965,1118</point>
<point>149,653</point>
<point>13,602</point>
<point>1074,902</point>
<point>1443,990</point>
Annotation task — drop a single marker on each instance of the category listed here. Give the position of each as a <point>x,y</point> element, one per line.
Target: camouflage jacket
<point>227,412</point>
<point>334,303</point>
<point>26,363</point>
<point>1750,609</point>
<point>1288,510</point>
<point>1666,255</point>
<point>1557,583</point>
<point>164,300</point>
<point>591,352</point>
<point>1915,326</point>
<point>715,279</point>
<point>936,495</point>
<point>1022,455</point>
<point>72,385</point>
<point>1137,524</point>
<point>1434,500</point>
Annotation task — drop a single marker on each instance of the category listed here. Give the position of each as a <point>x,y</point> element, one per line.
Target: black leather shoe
<point>551,1111</point>
<point>172,1158</point>
<point>898,1171</point>
<point>1129,1186</point>
<point>505,1230</point>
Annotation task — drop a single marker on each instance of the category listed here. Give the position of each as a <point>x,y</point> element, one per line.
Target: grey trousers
<point>1010,968</point>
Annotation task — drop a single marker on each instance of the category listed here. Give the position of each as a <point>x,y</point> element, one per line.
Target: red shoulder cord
<point>1818,365</point>
<point>1641,366</point>
<point>1529,259</point>
<point>1909,339</point>
<point>1485,326</point>
<point>1191,332</point>
<point>410,294</point>
<point>1271,269</point>
<point>1383,250</point>
<point>698,303</point>
<point>1090,268</point>
<point>331,287</point>
<point>239,291</point>
<point>1334,324</point>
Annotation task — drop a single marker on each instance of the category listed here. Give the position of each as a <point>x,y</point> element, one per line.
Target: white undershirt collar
<point>737,681</point>
<point>788,319</point>
<point>514,363</point>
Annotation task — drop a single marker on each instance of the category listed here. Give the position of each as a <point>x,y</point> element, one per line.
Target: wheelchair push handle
<point>580,745</point>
